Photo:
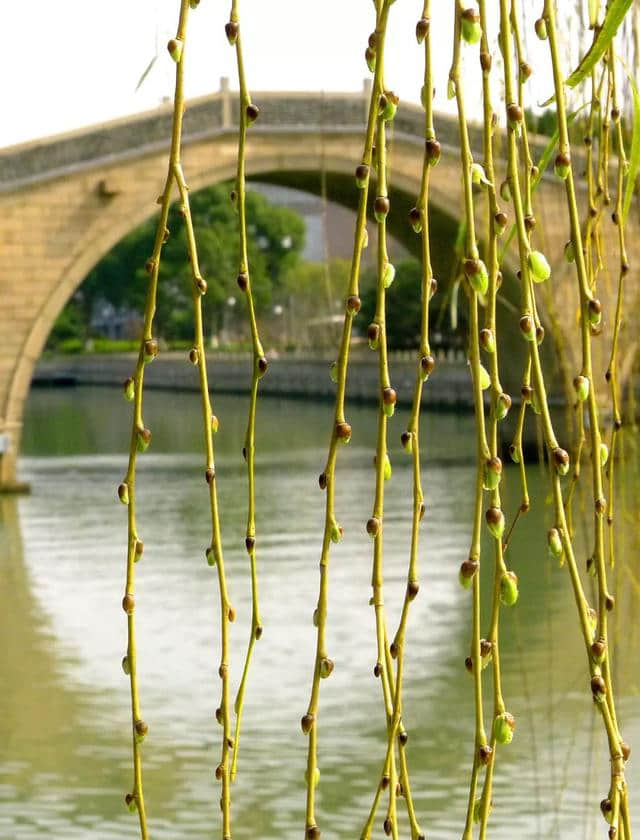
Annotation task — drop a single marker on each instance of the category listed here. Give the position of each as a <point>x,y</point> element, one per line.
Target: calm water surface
<point>64,704</point>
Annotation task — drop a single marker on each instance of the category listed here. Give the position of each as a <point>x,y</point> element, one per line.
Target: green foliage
<point>276,238</point>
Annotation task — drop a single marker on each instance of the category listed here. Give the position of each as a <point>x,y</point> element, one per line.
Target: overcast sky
<point>71,63</point>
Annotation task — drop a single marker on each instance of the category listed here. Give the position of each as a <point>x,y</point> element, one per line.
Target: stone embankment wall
<point>288,376</point>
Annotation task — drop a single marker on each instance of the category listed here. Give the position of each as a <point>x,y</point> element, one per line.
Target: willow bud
<point>388,274</point>
<point>253,112</point>
<point>333,372</point>
<point>307,723</point>
<point>514,453</point>
<point>541,29</point>
<point>554,541</point>
<point>492,473</point>
<point>406,439</point>
<point>433,151</point>
<point>598,688</point>
<point>130,802</point>
<point>123,493</point>
<point>415,219</point>
<point>150,350</point>
<point>562,165</point>
<point>362,175</point>
<point>126,667</point>
<point>389,399</point>
<point>528,328</point>
<point>373,527</point>
<point>476,272</point>
<point>370,58</point>
<point>538,266</point>
<point>561,460</point>
<point>594,311</point>
<point>503,726</point>
<point>326,667</point>
<point>505,191</point>
<point>337,532</point>
<point>389,106</point>
<point>175,47</point>
<point>478,176</point>
<point>581,384</point>
<point>143,439</point>
<point>509,588</point>
<point>569,252</point>
<point>343,432</point>
<point>427,364</point>
<point>485,379</point>
<point>495,518</point>
<point>467,570</point>
<point>422,29</point>
<point>487,340</point>
<point>373,336</point>
<point>381,208</point>
<point>232,30</point>
<point>129,389</point>
<point>501,219</point>
<point>503,404</point>
<point>316,777</point>
<point>387,471</point>
<point>604,453</point>
<point>141,730</point>
<point>470,26</point>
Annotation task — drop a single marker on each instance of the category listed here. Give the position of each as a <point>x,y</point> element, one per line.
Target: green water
<point>64,703</point>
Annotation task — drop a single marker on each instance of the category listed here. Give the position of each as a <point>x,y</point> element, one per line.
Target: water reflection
<point>64,710</point>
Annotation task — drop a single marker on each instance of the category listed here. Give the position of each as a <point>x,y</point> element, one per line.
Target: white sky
<point>72,63</point>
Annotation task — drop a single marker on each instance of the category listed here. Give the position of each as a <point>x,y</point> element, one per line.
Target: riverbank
<point>293,376</point>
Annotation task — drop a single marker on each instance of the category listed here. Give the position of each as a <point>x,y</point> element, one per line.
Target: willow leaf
<point>614,17</point>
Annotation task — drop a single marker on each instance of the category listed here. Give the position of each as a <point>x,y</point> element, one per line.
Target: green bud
<point>594,311</point>
<point>326,667</point>
<point>333,372</point>
<point>125,665</point>
<point>175,47</point>
<point>492,473</point>
<point>387,468</point>
<point>495,521</point>
<point>569,252</point>
<point>143,439</point>
<point>129,389</point>
<point>365,238</point>
<point>604,453</point>
<point>509,588</point>
<point>370,58</point>
<point>554,541</point>
<point>389,106</point>
<point>581,384</point>
<point>503,726</point>
<point>538,266</point>
<point>485,379</point>
<point>535,402</point>
<point>336,532</point>
<point>130,802</point>
<point>316,617</point>
<point>316,777</point>
<point>476,272</point>
<point>488,340</point>
<point>541,29</point>
<point>514,452</point>
<point>505,191</point>
<point>389,409</point>
<point>424,95</point>
<point>193,4</point>
<point>478,176</point>
<point>215,424</point>
<point>470,26</point>
<point>562,165</point>
<point>123,493</point>
<point>503,404</point>
<point>466,574</point>
<point>451,89</point>
<point>211,556</point>
<point>388,274</point>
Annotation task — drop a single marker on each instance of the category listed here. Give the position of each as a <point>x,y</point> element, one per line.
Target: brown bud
<point>193,355</point>
<point>527,393</point>
<point>514,113</point>
<point>243,281</point>
<point>384,782</point>
<point>525,70</point>
<point>393,650</point>
<point>529,222</point>
<point>381,207</point>
<point>403,737</point>
<point>253,112</point>
<point>485,61</point>
<point>141,728</point>
<point>313,832</point>
<point>485,648</point>
<point>307,723</point>
<point>625,749</point>
<point>343,431</point>
<point>258,632</point>
<point>598,686</point>
<point>362,173</point>
<point>209,475</point>
<point>263,364</point>
<point>433,150</point>
<point>150,348</point>
<point>413,588</point>
<point>468,568</point>
<point>377,669</point>
<point>468,664</point>
<point>150,265</point>
<point>353,304</point>
<point>601,505</point>
<point>389,396</point>
<point>219,717</point>
<point>373,40</point>
<point>219,772</point>
<point>373,332</point>
<point>609,602</point>
<point>373,526</point>
<point>388,826</point>
<point>232,29</point>
<point>484,753</point>
<point>598,649</point>
<point>422,29</point>
<point>322,481</point>
<point>427,364</point>
<point>223,670</point>
<point>128,604</point>
<point>250,543</point>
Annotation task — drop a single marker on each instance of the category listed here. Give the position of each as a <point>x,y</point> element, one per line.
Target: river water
<point>64,703</point>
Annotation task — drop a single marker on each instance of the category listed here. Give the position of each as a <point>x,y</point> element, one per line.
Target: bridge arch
<point>66,201</point>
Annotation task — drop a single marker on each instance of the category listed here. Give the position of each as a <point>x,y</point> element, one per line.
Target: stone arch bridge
<point>66,201</point>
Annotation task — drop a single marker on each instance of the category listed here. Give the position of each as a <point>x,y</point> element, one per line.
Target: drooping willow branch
<point>599,652</point>
<point>341,433</point>
<point>141,438</point>
<point>248,114</point>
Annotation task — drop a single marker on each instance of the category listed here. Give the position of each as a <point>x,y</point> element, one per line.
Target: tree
<point>276,238</point>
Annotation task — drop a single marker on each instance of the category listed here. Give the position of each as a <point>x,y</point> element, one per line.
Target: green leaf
<point>634,157</point>
<point>146,72</point>
<point>614,17</point>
